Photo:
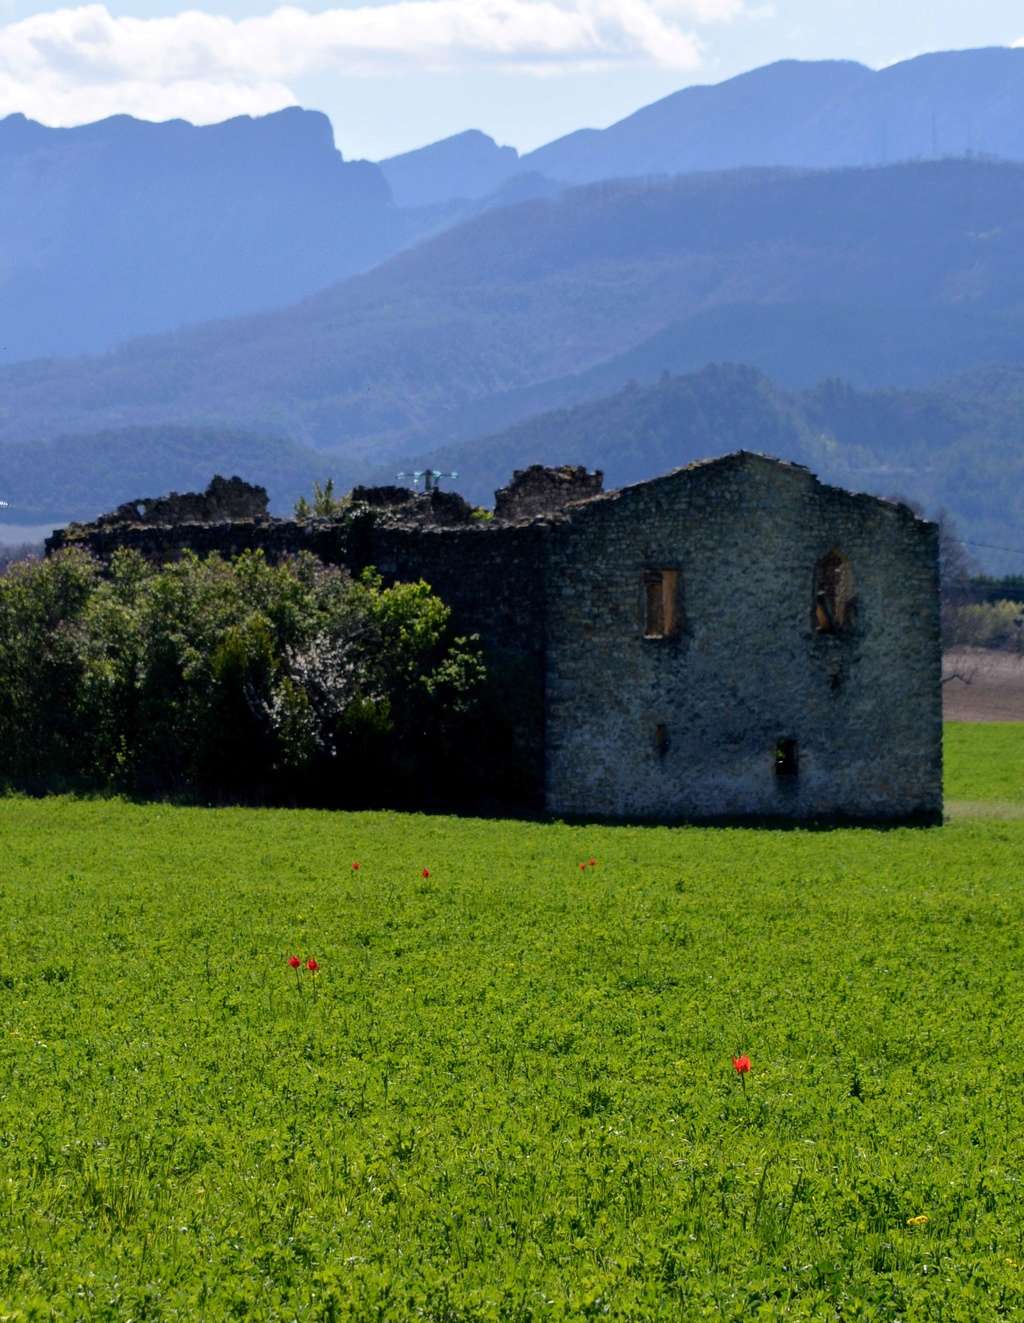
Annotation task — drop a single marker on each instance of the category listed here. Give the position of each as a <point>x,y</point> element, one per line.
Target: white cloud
<point>75,64</point>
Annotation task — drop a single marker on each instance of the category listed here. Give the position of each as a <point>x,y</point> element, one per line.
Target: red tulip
<point>583,868</point>
<point>425,873</point>
<point>593,863</point>
<point>294,961</point>
<point>355,866</point>
<point>312,965</point>
<point>741,1065</point>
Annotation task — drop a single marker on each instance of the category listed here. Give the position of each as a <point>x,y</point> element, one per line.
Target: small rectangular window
<point>661,603</point>
<point>787,758</point>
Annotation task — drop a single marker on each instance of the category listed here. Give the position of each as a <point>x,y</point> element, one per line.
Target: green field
<point>508,1093</point>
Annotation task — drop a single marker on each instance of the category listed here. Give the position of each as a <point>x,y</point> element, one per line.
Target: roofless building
<point>733,640</point>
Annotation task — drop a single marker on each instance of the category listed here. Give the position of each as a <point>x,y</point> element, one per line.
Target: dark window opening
<point>833,594</point>
<point>787,758</point>
<point>661,603</point>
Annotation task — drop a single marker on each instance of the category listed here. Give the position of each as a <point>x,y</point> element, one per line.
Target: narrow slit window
<point>833,594</point>
<point>787,758</point>
<point>661,603</point>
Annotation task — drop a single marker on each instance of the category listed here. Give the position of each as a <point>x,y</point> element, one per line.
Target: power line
<point>989,546</point>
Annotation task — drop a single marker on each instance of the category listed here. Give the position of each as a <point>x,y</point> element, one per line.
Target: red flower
<point>583,868</point>
<point>312,965</point>
<point>593,863</point>
<point>741,1065</point>
<point>294,961</point>
<point>425,873</point>
<point>355,866</point>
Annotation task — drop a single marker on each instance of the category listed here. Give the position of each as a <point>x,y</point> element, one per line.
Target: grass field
<point>508,1093</point>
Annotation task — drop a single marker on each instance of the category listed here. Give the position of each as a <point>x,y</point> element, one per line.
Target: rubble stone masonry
<point>747,709</point>
<point>733,640</point>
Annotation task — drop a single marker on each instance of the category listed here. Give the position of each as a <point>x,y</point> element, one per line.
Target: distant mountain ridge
<point>467,165</point>
<point>955,446</point>
<point>532,298</point>
<point>122,227</point>
<point>125,228</point>
<point>417,351</point>
<point>807,114</point>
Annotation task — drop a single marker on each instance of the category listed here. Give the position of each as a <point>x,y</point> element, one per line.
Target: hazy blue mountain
<point>946,104</point>
<point>956,446</point>
<point>746,120</point>
<point>123,227</point>
<point>468,165</point>
<point>796,344</point>
<point>820,273</point>
<point>811,114</point>
<point>79,477</point>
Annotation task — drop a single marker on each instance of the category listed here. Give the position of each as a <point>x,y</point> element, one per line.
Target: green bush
<point>228,679</point>
<point>990,625</point>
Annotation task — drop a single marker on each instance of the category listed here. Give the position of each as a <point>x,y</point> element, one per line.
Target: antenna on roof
<point>431,478</point>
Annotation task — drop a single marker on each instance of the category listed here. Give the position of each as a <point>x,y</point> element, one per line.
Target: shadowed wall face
<point>692,671</point>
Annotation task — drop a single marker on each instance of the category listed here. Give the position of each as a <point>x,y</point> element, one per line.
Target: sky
<point>396,74</point>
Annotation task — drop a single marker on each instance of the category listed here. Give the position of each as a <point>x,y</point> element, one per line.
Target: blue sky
<point>395,74</point>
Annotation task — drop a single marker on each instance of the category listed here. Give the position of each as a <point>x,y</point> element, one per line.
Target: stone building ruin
<point>733,640</point>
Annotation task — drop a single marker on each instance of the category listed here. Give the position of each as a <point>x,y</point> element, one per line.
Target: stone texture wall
<point>491,578</point>
<point>608,722</point>
<point>540,490</point>
<point>225,499</point>
<point>687,727</point>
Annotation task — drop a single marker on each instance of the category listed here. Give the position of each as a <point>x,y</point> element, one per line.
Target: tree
<point>230,679</point>
<point>955,570</point>
<point>325,505</point>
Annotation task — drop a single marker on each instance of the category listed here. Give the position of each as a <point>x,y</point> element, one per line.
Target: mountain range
<point>814,114</point>
<point>252,301</point>
<point>887,276</point>
<point>956,446</point>
<point>124,228</point>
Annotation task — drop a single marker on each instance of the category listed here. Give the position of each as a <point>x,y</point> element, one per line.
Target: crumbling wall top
<point>225,500</point>
<point>403,507</point>
<point>385,496</point>
<point>540,490</point>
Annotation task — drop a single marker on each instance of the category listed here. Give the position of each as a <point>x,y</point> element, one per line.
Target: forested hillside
<point>955,447</point>
<point>414,353</point>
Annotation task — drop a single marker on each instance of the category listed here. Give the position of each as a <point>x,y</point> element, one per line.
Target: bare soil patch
<point>987,685</point>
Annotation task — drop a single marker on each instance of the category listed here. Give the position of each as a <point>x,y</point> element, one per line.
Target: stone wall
<point>490,577</point>
<point>225,499</point>
<point>606,721</point>
<point>539,490</point>
<point>690,726</point>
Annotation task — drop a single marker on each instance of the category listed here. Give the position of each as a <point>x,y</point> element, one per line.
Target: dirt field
<point>992,687</point>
